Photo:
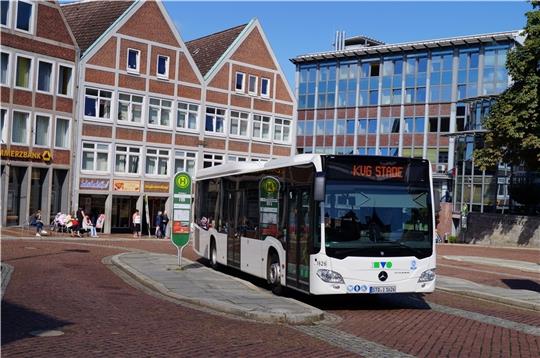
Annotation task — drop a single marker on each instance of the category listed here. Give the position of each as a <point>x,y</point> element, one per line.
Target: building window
<point>95,157</point>
<point>133,60</point>
<point>157,161</point>
<point>239,83</point>
<point>185,161</point>
<point>307,86</point>
<point>130,108</point>
<point>211,160</point>
<point>187,115</point>
<point>163,66</point>
<point>127,159</point>
<point>252,86</point>
<point>19,129</point>
<point>65,80</point>
<point>4,13</point>
<point>4,68</point>
<point>495,73</point>
<point>24,72</point>
<point>3,115</point>
<point>347,84</point>
<point>24,16</point>
<point>239,123</point>
<point>62,133</point>
<point>282,130</point>
<point>372,126</point>
<point>45,76</point>
<point>265,87</point>
<point>97,103</point>
<point>159,112</point>
<point>215,120</point>
<point>389,125</point>
<point>42,130</point>
<point>441,77</point>
<point>327,86</point>
<point>236,158</point>
<point>261,127</point>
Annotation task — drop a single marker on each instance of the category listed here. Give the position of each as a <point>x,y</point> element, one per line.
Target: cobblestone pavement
<point>63,285</point>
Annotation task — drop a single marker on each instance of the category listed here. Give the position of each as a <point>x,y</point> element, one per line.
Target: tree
<point>513,123</point>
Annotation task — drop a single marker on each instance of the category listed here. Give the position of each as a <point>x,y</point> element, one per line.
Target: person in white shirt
<point>88,226</point>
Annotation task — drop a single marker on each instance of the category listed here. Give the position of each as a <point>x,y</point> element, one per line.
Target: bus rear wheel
<point>274,274</point>
<point>213,256</point>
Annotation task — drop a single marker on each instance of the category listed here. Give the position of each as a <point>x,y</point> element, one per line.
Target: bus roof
<point>250,167</point>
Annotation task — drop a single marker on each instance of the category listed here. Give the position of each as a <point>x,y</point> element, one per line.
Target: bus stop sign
<point>181,209</point>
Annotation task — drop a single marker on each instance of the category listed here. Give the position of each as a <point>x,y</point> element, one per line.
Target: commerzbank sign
<point>45,155</point>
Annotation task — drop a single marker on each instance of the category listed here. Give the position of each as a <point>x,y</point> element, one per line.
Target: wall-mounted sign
<point>94,184</point>
<point>156,187</point>
<point>127,185</point>
<point>45,156</point>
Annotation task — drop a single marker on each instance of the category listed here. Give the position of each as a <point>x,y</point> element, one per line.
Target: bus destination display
<point>378,172</point>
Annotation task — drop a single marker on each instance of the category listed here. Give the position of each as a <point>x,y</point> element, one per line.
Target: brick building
<point>38,87</point>
<point>151,105</point>
<point>368,97</point>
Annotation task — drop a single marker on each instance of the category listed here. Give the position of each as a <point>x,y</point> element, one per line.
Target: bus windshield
<point>377,220</point>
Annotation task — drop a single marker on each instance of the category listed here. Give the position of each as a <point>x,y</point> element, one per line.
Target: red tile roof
<point>207,50</point>
<point>90,19</point>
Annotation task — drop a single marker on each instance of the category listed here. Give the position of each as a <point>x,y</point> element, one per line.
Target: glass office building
<point>367,97</point>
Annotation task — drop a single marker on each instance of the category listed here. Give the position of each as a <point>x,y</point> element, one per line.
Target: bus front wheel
<point>274,274</point>
<point>213,255</point>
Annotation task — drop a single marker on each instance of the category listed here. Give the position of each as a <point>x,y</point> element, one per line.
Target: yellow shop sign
<point>45,156</point>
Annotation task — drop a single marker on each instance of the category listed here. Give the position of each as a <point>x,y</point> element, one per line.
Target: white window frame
<point>260,118</point>
<point>211,158</point>
<point>186,156</point>
<point>28,130</point>
<point>4,125</point>
<point>68,142</point>
<point>236,158</point>
<point>284,124</point>
<point>188,111</point>
<point>243,87</point>
<point>98,99</point>
<point>49,135</point>
<point>158,155</point>
<point>9,17</point>
<point>95,151</point>
<point>160,108</point>
<point>240,120</point>
<point>167,65</point>
<point>137,69</point>
<point>30,75</point>
<point>128,153</point>
<point>51,82</point>
<point>8,69</point>
<point>71,82</point>
<point>214,120</point>
<point>129,120</point>
<point>31,20</point>
<point>254,92</point>
<point>267,94</point>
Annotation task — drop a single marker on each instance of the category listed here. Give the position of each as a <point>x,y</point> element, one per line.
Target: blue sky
<point>295,28</point>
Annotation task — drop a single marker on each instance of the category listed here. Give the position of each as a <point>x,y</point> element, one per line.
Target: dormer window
<point>133,60</point>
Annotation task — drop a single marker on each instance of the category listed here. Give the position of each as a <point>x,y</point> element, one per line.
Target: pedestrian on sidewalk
<point>164,223</point>
<point>158,221</point>
<point>37,222</point>
<point>136,221</point>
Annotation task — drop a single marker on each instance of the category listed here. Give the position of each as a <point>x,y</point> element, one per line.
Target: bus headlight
<point>426,276</point>
<point>330,276</point>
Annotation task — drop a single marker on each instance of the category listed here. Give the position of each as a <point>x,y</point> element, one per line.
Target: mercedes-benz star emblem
<point>383,276</point>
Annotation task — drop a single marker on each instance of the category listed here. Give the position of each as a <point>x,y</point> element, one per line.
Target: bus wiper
<point>413,249</point>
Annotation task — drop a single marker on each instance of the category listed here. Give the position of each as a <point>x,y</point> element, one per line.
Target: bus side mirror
<point>437,200</point>
<point>320,183</point>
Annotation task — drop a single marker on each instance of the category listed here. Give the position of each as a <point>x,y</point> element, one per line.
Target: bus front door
<point>298,231</point>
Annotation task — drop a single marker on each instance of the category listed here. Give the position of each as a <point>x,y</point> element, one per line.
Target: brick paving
<point>63,285</point>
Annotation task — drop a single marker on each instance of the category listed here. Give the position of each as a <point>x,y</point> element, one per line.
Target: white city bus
<point>321,224</point>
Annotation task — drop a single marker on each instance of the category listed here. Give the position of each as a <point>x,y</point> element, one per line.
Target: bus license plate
<point>382,289</point>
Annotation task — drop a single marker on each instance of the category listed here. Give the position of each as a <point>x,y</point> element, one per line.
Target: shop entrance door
<point>123,208</point>
<point>155,204</point>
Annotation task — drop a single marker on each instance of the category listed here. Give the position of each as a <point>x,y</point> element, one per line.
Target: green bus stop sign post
<point>181,220</point>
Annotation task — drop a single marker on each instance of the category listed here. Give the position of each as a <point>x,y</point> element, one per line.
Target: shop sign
<point>45,156</point>
<point>94,184</point>
<point>156,187</point>
<point>127,185</point>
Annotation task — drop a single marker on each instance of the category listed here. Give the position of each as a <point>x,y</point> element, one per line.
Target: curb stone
<point>294,319</point>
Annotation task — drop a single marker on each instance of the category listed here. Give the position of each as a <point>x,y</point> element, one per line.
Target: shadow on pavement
<point>19,321</point>
<point>49,254</point>
<point>336,302</point>
<point>521,284</point>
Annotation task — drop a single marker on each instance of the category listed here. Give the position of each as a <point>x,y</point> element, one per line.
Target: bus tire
<point>273,273</point>
<point>213,255</point>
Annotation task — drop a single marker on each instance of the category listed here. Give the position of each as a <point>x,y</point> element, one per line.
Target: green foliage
<point>452,239</point>
<point>514,121</point>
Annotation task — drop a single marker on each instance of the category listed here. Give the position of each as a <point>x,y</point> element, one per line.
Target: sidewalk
<point>200,285</point>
